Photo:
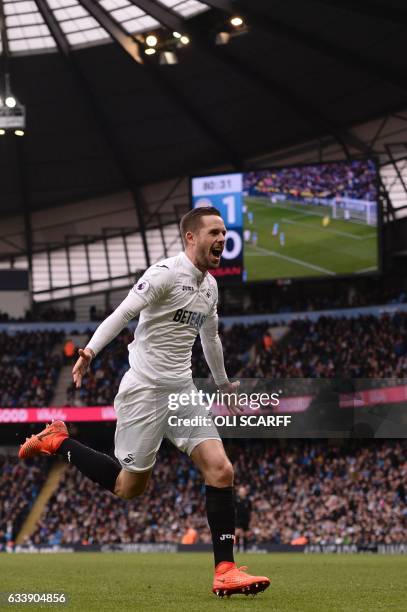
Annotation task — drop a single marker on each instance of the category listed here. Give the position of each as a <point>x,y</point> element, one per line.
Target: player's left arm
<point>213,352</point>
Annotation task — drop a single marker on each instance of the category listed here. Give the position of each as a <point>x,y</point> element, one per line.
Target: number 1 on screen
<point>229,201</point>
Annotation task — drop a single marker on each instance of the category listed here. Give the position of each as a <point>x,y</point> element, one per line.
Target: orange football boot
<point>46,442</point>
<point>231,580</point>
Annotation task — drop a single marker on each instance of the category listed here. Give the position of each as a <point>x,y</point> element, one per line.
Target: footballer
<point>176,299</point>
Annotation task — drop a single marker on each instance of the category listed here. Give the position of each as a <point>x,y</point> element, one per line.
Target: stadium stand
<point>100,386</point>
<point>27,371</point>
<point>309,349</point>
<point>20,483</point>
<point>328,348</point>
<point>344,494</point>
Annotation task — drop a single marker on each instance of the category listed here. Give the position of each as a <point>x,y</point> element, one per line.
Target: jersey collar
<point>192,268</point>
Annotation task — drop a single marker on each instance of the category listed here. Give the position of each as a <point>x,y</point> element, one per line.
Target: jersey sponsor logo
<point>196,319</point>
<point>162,266</point>
<point>142,286</point>
<point>187,288</point>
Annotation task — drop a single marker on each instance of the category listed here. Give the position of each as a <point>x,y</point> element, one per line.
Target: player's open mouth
<point>216,251</point>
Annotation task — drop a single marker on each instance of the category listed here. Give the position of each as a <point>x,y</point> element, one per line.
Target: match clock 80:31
<point>224,193</point>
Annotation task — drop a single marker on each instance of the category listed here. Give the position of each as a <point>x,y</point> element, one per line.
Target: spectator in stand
<point>267,341</point>
<point>190,536</point>
<point>69,351</point>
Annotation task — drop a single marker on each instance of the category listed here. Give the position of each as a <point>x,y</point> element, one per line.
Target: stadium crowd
<point>356,179</point>
<point>322,349</point>
<point>100,385</point>
<point>311,490</point>
<point>314,490</point>
<point>20,483</point>
<point>328,493</point>
<point>361,347</point>
<point>28,368</point>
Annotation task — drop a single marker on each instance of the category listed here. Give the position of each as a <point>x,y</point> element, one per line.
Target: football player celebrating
<point>176,299</point>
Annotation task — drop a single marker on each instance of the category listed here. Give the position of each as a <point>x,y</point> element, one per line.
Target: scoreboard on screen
<point>225,192</point>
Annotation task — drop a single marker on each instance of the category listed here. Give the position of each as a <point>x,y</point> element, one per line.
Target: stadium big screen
<point>319,220</point>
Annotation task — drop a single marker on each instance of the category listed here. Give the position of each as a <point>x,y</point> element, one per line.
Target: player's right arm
<point>150,288</point>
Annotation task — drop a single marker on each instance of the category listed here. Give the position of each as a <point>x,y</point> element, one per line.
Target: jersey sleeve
<point>212,346</point>
<point>149,288</point>
<point>154,283</point>
<point>113,325</point>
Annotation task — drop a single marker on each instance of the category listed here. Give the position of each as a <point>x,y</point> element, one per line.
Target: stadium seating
<point>362,347</point>
<point>344,494</point>
<point>324,349</point>
<point>28,368</point>
<point>20,483</point>
<point>325,493</point>
<point>100,386</point>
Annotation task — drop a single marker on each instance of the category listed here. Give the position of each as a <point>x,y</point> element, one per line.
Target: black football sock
<point>99,467</point>
<point>220,510</point>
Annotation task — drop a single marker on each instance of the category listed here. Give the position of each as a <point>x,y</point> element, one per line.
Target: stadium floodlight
<point>184,39</point>
<point>11,102</point>
<point>176,35</point>
<point>149,51</point>
<point>236,21</point>
<point>12,113</point>
<point>151,40</point>
<point>2,132</point>
<point>19,132</point>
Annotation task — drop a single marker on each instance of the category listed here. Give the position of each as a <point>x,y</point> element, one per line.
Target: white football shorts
<point>144,419</point>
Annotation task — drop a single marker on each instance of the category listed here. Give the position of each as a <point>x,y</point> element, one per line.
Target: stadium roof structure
<point>102,115</point>
<point>124,99</point>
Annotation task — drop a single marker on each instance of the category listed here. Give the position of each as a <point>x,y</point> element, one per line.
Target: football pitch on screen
<point>307,242</point>
<point>182,581</point>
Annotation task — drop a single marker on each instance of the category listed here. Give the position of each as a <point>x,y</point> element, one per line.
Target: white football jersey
<point>176,302</point>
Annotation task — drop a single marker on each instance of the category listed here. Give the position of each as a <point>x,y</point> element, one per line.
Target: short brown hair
<point>191,221</point>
